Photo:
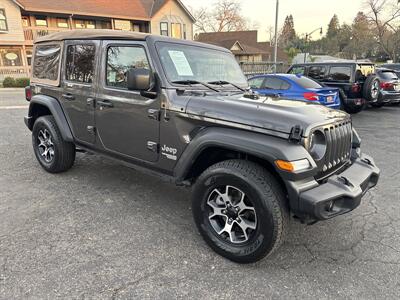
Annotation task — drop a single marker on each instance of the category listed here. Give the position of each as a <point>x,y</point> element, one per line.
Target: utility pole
<point>276,36</point>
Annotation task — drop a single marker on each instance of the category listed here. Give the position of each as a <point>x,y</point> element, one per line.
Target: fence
<point>263,67</point>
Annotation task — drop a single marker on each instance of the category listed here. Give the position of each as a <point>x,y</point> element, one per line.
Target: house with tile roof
<point>22,21</point>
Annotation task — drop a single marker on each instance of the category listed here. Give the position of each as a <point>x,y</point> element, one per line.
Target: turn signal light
<point>293,166</point>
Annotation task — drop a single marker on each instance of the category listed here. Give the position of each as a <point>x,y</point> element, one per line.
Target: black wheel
<point>371,88</point>
<point>53,153</point>
<point>239,209</point>
<point>353,109</point>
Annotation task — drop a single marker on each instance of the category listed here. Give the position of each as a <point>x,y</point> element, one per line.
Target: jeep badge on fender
<point>181,109</point>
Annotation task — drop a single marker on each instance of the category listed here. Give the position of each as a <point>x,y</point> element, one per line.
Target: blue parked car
<point>295,87</point>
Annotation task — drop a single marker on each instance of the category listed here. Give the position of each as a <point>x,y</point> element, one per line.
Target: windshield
<point>184,62</point>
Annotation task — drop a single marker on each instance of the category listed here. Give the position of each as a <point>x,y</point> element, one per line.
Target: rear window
<point>340,74</point>
<point>46,63</point>
<point>317,72</point>
<point>388,75</point>
<point>307,83</point>
<point>394,67</point>
<point>297,70</point>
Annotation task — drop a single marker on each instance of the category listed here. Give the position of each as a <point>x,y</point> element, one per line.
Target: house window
<point>122,25</point>
<point>29,57</point>
<point>176,30</point>
<point>184,31</point>
<point>25,21</point>
<point>85,24</point>
<point>136,27</point>
<point>41,21</point>
<point>11,57</point>
<point>164,28</point>
<point>119,60</point>
<point>62,23</point>
<point>3,20</point>
<point>80,63</point>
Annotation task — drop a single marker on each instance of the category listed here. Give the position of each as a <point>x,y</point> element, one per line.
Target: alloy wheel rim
<point>45,145</point>
<point>375,89</point>
<point>232,215</point>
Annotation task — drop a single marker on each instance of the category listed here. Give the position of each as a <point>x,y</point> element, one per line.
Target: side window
<point>317,72</point>
<point>273,83</point>
<point>119,60</point>
<point>297,70</point>
<point>164,28</point>
<point>47,62</point>
<point>340,74</point>
<point>80,63</point>
<point>256,83</point>
<point>3,20</point>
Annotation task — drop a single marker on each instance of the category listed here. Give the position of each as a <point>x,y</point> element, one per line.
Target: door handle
<point>68,97</point>
<point>104,103</point>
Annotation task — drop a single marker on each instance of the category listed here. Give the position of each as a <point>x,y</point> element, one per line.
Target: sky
<point>307,14</point>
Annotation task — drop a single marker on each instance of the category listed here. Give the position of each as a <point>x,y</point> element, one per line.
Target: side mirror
<point>139,79</point>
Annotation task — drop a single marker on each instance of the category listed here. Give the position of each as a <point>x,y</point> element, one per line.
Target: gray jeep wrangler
<point>181,109</point>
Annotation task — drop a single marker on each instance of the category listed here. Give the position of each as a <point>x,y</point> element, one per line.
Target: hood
<point>278,115</point>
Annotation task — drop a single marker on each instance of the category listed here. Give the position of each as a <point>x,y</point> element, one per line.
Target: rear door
<point>78,88</point>
<point>127,123</point>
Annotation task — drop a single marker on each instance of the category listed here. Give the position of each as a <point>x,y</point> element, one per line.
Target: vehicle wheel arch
<point>41,105</point>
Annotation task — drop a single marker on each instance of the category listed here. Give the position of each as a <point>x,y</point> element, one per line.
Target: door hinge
<point>295,134</point>
<point>152,146</point>
<point>153,114</point>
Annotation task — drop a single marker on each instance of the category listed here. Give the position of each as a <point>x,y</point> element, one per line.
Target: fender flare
<point>57,112</point>
<point>263,146</point>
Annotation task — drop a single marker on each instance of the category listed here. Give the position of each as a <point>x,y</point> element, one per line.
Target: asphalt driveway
<point>105,231</point>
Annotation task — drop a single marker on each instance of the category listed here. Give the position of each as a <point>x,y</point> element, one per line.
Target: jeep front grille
<point>338,139</point>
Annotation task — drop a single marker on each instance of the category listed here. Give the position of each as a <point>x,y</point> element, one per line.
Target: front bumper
<point>341,193</point>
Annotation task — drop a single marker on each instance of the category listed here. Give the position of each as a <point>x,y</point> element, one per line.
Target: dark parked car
<point>179,109</point>
<point>390,87</point>
<point>357,82</point>
<point>394,67</point>
<point>295,87</point>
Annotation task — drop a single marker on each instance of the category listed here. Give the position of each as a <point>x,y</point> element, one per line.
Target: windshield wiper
<point>224,82</point>
<point>190,82</point>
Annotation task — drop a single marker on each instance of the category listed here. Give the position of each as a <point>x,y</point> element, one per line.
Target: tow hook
<point>367,161</point>
<point>345,181</point>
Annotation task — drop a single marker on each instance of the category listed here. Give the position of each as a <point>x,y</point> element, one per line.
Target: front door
<point>78,89</point>
<point>126,122</point>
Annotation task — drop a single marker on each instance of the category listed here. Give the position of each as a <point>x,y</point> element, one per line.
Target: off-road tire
<point>353,109</point>
<point>269,204</point>
<point>369,93</point>
<point>64,152</point>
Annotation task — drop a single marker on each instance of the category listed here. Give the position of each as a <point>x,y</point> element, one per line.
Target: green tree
<point>288,33</point>
<point>333,27</point>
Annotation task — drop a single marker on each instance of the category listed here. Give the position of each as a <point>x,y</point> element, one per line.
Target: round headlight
<point>317,145</point>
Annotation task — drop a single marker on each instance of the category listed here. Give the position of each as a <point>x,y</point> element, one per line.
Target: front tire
<point>53,153</point>
<point>239,209</point>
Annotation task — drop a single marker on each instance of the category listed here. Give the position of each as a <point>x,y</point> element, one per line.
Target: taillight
<point>356,88</point>
<point>28,93</point>
<point>386,85</point>
<point>311,96</point>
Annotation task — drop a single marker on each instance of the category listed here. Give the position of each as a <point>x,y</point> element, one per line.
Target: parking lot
<point>105,231</point>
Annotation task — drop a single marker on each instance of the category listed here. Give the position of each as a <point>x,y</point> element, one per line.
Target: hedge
<point>10,82</point>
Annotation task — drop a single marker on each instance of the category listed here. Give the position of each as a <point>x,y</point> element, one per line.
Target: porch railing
<point>15,72</point>
<point>31,33</point>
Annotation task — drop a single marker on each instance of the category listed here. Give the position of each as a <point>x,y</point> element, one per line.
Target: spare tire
<point>371,88</point>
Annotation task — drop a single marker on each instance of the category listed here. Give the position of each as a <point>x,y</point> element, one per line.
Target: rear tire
<point>53,153</point>
<point>247,234</point>
<point>353,109</point>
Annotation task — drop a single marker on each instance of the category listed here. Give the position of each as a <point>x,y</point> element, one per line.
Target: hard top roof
<point>99,34</point>
<point>92,34</point>
<point>335,63</point>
